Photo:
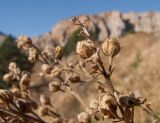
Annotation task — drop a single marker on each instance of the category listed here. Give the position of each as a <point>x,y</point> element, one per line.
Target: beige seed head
<point>105,100</point>
<point>85,49</point>
<point>24,42</point>
<point>111,47</point>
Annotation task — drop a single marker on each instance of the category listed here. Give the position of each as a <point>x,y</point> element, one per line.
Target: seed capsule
<point>111,47</point>
<point>24,42</point>
<point>85,49</point>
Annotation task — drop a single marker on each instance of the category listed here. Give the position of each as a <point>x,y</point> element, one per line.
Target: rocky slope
<point>103,25</point>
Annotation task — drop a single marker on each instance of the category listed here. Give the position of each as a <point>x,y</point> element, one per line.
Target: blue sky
<point>34,17</point>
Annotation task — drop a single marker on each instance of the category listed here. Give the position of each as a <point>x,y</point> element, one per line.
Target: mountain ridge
<point>103,25</point>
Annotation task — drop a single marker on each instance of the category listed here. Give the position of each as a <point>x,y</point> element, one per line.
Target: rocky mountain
<point>103,25</point>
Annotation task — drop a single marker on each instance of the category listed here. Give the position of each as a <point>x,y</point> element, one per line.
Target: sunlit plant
<point>18,106</point>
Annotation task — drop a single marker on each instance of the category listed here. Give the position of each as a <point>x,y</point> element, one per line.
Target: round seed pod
<point>85,49</point>
<point>83,117</point>
<point>54,86</point>
<point>111,47</point>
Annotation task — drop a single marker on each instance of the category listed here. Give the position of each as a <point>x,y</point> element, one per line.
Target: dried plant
<point>18,106</point>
